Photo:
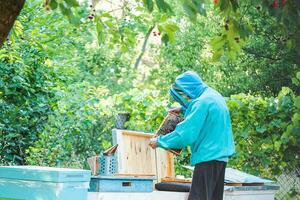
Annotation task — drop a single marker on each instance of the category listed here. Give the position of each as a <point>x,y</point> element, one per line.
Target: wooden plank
<point>175,180</point>
<point>117,139</point>
<point>138,134</point>
<point>234,184</point>
<point>165,164</point>
<point>170,166</point>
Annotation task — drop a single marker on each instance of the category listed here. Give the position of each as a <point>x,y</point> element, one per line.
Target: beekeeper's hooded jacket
<point>206,126</point>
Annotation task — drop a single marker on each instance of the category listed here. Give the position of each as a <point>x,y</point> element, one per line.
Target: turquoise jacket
<point>206,126</point>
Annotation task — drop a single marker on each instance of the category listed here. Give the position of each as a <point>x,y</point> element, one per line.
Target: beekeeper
<point>206,129</point>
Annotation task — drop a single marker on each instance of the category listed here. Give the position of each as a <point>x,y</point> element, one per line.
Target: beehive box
<point>46,183</point>
<point>121,184</point>
<point>135,156</point>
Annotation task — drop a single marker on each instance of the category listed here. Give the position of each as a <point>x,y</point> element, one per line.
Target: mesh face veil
<point>179,96</point>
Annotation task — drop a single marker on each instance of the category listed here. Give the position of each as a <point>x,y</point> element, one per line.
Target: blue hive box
<point>43,183</point>
<point>121,184</point>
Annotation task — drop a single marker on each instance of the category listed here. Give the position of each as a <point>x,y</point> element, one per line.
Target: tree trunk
<point>9,11</point>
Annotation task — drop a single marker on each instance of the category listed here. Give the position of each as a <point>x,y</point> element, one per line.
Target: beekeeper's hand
<point>175,110</point>
<point>153,143</point>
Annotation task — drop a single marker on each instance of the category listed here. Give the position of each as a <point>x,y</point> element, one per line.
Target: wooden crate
<point>136,157</point>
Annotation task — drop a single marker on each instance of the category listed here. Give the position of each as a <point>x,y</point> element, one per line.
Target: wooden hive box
<point>136,158</point>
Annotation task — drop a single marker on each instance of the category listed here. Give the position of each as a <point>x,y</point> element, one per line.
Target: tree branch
<point>260,54</point>
<point>138,60</point>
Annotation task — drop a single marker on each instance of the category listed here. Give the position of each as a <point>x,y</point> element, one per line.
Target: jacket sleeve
<point>187,131</point>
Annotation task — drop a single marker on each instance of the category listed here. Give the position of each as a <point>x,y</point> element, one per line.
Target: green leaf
<point>64,10</point>
<point>289,44</point>
<point>163,6</point>
<point>190,10</point>
<point>106,14</point>
<point>73,19</point>
<point>297,101</point>
<point>149,5</point>
<point>170,30</point>
<point>99,26</point>
<point>243,29</point>
<point>100,33</point>
<point>296,81</point>
<point>72,3</point>
<point>277,145</point>
<point>171,27</point>
<point>124,48</point>
<point>165,39</point>
<point>234,4</point>
<point>53,4</point>
<point>261,129</point>
<point>160,28</point>
<point>199,5</point>
<point>225,6</point>
<point>68,12</point>
<point>109,24</point>
<point>217,55</point>
<point>296,118</point>
<point>218,43</point>
<point>163,18</point>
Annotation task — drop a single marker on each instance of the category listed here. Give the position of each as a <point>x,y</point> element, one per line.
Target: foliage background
<point>60,88</point>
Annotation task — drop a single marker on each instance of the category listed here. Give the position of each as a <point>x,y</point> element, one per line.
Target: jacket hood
<point>190,84</point>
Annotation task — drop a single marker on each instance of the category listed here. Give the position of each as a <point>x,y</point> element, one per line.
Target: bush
<point>26,98</point>
<point>79,127</point>
<point>259,126</point>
